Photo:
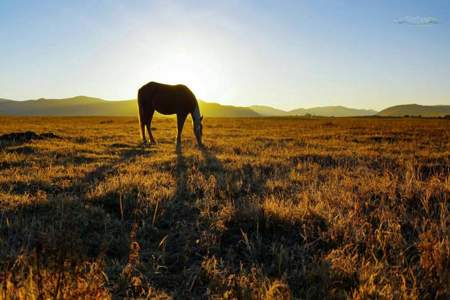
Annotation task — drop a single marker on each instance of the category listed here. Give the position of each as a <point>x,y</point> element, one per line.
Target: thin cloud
<point>417,20</point>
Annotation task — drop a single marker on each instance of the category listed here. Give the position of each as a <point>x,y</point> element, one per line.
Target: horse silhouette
<point>168,100</point>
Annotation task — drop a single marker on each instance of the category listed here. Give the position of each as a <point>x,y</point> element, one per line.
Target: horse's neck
<point>196,115</point>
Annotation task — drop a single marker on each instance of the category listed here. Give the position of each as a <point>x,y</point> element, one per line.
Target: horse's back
<point>167,99</point>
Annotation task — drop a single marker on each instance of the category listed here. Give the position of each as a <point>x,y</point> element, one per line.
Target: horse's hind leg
<point>148,124</point>
<point>180,122</point>
<point>142,124</point>
<point>142,119</point>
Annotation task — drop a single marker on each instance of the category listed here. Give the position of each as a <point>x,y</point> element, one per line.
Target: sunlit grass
<point>272,208</point>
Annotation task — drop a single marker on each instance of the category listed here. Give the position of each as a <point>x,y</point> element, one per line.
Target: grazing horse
<point>168,100</point>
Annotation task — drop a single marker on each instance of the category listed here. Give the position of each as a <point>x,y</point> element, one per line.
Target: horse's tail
<point>141,114</point>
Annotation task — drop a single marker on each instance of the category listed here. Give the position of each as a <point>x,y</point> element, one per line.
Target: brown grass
<point>271,209</point>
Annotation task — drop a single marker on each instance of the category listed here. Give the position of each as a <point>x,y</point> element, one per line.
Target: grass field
<point>270,209</point>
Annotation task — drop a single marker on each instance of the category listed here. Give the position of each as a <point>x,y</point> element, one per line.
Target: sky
<point>287,54</point>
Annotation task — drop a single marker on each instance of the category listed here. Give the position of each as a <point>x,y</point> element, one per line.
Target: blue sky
<point>288,54</point>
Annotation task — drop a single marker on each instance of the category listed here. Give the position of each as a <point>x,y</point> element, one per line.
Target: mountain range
<point>90,106</point>
<point>416,110</point>
<point>324,111</point>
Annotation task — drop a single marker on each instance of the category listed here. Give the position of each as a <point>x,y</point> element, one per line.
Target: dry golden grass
<point>271,209</point>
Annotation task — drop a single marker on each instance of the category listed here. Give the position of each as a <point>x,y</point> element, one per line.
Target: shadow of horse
<point>179,230</point>
<point>172,242</point>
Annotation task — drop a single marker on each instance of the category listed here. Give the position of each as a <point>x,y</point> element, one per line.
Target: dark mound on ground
<point>23,137</point>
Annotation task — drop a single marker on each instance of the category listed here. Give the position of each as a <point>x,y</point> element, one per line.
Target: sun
<point>191,67</point>
<point>191,62</point>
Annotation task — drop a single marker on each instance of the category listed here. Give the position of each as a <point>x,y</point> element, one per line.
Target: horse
<point>168,100</point>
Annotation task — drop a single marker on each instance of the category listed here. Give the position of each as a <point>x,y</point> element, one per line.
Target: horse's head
<point>198,129</point>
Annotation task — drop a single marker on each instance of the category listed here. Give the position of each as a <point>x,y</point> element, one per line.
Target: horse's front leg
<point>180,122</point>
<point>149,127</point>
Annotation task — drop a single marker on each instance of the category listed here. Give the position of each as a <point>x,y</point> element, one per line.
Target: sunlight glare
<point>189,62</point>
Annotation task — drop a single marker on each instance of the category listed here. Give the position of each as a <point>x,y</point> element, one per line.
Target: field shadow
<point>259,242</point>
<point>4,165</point>
<point>64,230</point>
<point>31,187</point>
<point>126,155</point>
<point>271,247</point>
<point>237,183</point>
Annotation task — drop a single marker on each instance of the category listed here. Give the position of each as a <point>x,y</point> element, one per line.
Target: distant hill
<point>75,106</point>
<point>89,106</point>
<point>333,111</point>
<point>415,110</point>
<point>218,110</point>
<point>325,111</point>
<point>268,110</point>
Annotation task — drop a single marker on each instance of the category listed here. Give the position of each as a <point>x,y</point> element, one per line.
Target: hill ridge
<point>82,105</point>
<point>415,110</point>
